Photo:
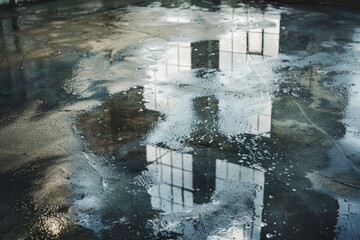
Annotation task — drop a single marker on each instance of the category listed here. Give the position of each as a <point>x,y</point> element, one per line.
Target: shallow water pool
<point>179,120</point>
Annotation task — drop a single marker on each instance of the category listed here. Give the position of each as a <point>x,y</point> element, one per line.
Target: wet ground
<point>179,120</point>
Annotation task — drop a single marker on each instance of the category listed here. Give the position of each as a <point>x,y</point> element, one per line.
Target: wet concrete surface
<point>179,120</point>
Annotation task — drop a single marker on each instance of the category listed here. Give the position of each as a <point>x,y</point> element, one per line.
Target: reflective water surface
<point>179,120</point>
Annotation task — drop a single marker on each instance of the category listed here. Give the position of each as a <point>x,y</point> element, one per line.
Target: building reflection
<point>257,41</point>
<point>185,183</point>
<point>255,38</point>
<point>174,173</point>
<point>176,189</point>
<point>178,58</point>
<point>250,45</point>
<point>219,113</point>
<point>229,172</point>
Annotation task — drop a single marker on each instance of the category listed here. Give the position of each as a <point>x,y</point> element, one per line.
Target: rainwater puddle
<point>194,121</point>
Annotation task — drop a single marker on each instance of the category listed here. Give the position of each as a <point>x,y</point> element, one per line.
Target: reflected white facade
<point>250,44</point>
<point>175,179</point>
<point>255,38</point>
<point>231,54</point>
<point>174,175</point>
<point>178,58</point>
<point>172,192</point>
<point>226,173</point>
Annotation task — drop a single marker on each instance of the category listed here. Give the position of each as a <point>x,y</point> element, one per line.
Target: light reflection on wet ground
<point>179,120</point>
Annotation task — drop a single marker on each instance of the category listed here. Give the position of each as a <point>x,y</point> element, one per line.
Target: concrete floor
<point>179,120</point>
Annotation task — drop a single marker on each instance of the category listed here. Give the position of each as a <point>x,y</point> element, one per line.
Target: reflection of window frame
<point>180,62</point>
<point>165,192</point>
<point>267,36</point>
<point>261,53</point>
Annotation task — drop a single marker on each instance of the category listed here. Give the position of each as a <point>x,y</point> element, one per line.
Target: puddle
<point>200,120</point>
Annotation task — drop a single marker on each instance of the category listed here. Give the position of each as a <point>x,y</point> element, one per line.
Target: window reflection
<point>178,58</point>
<point>174,187</point>
<point>249,45</point>
<point>174,172</point>
<point>255,38</point>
